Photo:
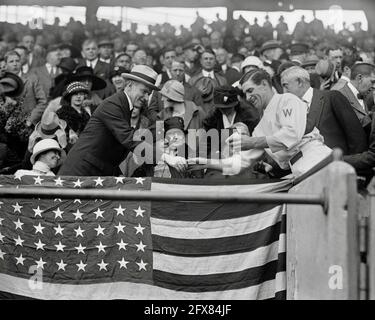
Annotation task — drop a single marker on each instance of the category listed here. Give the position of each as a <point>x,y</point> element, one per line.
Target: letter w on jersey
<point>287,112</point>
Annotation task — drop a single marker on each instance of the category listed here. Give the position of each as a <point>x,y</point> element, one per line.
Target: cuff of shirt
<point>274,144</point>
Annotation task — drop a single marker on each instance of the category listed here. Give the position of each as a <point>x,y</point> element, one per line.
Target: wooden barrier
<point>323,260</point>
<point>371,239</point>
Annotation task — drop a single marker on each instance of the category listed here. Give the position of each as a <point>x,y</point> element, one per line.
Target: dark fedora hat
<point>117,71</point>
<point>298,48</point>
<point>225,97</point>
<point>67,64</point>
<point>85,72</point>
<point>174,123</point>
<point>75,53</point>
<point>205,86</point>
<point>52,48</point>
<point>11,85</point>
<point>105,42</point>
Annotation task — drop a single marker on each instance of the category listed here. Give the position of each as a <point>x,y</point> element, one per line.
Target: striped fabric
<point>193,250</point>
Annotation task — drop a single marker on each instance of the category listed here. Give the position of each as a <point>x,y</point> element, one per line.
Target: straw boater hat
<point>173,90</point>
<point>46,145</point>
<point>143,74</point>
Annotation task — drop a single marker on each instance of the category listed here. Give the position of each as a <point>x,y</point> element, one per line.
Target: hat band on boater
<point>144,77</point>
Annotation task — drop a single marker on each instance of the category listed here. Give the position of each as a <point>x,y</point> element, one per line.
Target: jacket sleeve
<point>113,118</point>
<point>41,102</point>
<point>364,162</point>
<point>354,134</point>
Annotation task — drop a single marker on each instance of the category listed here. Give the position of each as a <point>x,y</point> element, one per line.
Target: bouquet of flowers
<point>16,122</point>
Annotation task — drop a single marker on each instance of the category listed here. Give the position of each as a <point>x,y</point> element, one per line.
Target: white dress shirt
<point>307,98</point>
<point>226,122</point>
<point>92,63</point>
<point>208,74</point>
<point>130,102</point>
<point>25,68</point>
<point>51,69</point>
<point>355,92</point>
<point>105,60</point>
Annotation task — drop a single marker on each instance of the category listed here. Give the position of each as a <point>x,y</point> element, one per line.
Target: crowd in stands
<point>54,81</point>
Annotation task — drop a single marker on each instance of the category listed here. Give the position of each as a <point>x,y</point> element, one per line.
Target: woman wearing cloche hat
<point>73,111</point>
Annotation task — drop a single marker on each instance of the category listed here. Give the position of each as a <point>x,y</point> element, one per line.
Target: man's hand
<point>325,84</point>
<point>179,163</point>
<point>73,137</point>
<point>241,142</point>
<point>245,142</point>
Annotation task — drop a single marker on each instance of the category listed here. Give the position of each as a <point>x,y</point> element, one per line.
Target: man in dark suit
<point>33,60</point>
<point>191,54</point>
<point>90,54</point>
<point>361,82</point>
<point>32,97</point>
<point>106,51</point>
<point>108,136</point>
<point>50,70</point>
<point>230,74</point>
<point>329,111</point>
<point>364,162</point>
<point>169,55</point>
<point>208,60</point>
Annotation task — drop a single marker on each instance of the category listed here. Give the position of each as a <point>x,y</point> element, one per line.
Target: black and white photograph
<point>197,152</point>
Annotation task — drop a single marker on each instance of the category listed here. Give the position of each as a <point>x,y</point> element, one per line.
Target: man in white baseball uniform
<point>281,130</point>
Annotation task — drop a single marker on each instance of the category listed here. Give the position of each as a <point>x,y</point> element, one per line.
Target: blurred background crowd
<point>53,78</point>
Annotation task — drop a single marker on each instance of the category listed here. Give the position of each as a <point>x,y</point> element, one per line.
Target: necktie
<point>360,96</point>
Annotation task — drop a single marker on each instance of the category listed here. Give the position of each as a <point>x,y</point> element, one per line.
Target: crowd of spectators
<point>53,79</point>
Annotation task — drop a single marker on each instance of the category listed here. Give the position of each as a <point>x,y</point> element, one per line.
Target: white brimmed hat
<point>143,74</point>
<point>46,145</point>
<point>252,61</point>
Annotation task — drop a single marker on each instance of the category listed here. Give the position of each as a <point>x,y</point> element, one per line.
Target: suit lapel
<point>353,100</point>
<point>315,112</point>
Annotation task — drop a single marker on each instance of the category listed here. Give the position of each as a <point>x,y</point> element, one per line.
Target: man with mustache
<point>108,136</point>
